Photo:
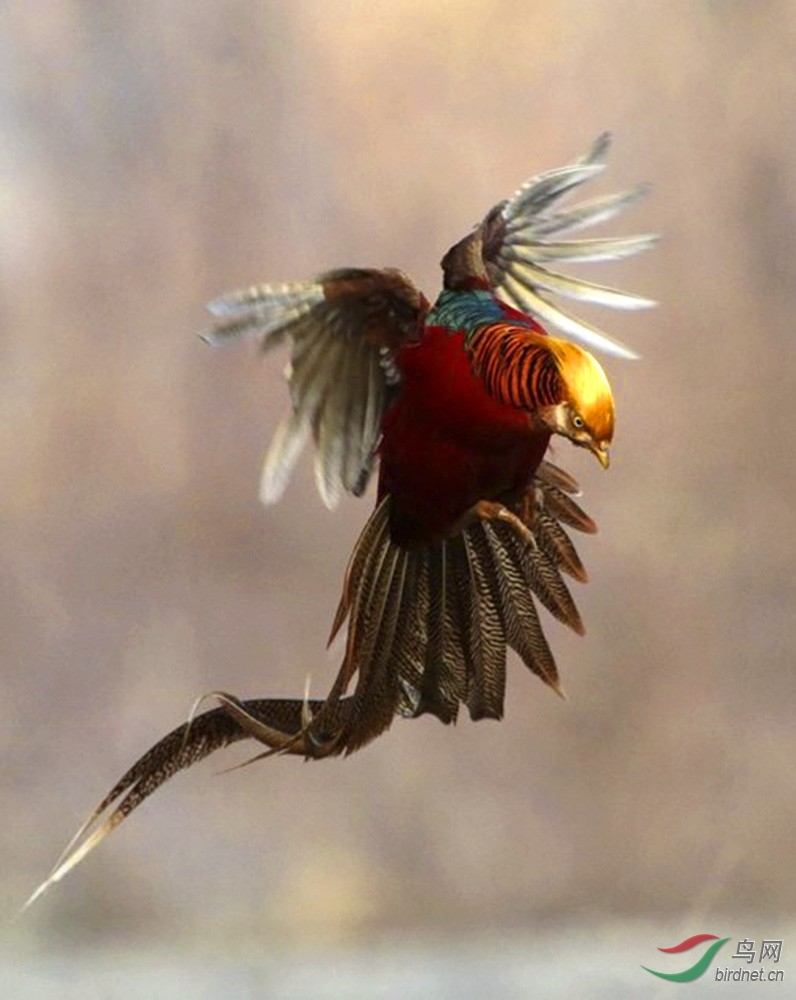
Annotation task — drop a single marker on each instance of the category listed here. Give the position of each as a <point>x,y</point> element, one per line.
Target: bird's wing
<point>519,245</point>
<point>343,330</point>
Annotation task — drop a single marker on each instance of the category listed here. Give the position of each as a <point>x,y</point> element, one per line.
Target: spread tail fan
<point>428,631</point>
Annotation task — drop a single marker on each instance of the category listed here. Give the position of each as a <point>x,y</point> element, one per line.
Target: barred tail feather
<point>180,749</point>
<point>428,631</point>
<point>444,672</point>
<point>429,627</point>
<point>487,685</point>
<point>523,630</point>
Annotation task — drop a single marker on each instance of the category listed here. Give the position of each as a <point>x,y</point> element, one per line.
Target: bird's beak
<point>601,453</point>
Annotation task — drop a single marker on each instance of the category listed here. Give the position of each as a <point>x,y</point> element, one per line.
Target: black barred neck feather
<point>517,366</point>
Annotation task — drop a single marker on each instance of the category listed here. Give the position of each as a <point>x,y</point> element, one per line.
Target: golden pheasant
<point>457,404</point>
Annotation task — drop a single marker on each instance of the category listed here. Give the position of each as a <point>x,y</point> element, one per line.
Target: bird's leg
<point>303,742</point>
<point>491,510</point>
<point>530,506</point>
<point>321,748</point>
<point>254,726</point>
<point>547,552</point>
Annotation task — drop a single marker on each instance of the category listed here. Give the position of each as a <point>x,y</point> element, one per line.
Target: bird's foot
<point>304,742</point>
<point>491,510</point>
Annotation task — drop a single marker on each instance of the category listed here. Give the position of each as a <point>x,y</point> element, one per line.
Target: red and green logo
<point>698,968</point>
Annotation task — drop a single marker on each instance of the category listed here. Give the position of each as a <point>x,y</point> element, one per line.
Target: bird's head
<point>586,413</point>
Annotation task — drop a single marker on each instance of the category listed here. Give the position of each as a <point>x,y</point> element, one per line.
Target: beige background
<point>155,154</point>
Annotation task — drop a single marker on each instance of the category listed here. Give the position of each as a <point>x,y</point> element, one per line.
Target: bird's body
<point>456,403</point>
<point>447,441</point>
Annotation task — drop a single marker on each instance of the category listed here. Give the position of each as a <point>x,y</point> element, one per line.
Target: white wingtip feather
<point>517,270</point>
<point>288,442</point>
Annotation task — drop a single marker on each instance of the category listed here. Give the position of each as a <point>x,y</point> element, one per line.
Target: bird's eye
<point>578,422</point>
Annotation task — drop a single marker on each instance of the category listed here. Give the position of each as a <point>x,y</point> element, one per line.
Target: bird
<point>453,407</point>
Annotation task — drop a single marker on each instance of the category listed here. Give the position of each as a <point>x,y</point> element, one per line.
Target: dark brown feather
<point>523,630</point>
<point>428,630</point>
<point>487,689</point>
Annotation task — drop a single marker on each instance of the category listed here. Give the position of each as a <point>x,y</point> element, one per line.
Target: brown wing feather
<point>344,330</point>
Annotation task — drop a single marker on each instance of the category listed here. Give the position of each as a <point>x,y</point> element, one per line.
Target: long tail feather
<point>523,630</point>
<point>180,749</point>
<point>487,690</point>
<point>428,631</point>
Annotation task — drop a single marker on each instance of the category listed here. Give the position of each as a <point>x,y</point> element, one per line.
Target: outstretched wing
<point>518,247</point>
<point>344,330</point>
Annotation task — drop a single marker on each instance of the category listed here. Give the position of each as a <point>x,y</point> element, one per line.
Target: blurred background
<point>158,153</point>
